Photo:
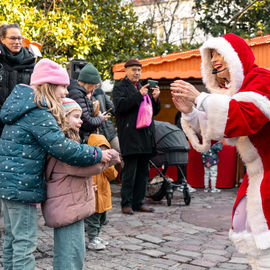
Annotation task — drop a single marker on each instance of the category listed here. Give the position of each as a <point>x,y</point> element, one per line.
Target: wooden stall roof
<point>187,64</point>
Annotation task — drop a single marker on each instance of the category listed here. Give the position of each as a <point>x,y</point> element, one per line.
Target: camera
<point>152,83</point>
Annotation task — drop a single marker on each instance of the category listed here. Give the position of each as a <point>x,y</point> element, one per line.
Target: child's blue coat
<point>30,133</point>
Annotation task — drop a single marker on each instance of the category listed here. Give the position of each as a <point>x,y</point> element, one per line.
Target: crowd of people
<point>59,147</point>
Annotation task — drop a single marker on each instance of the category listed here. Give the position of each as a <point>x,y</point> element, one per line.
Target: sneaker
<point>214,190</point>
<point>191,189</point>
<point>95,244</point>
<point>102,241</point>
<point>181,188</point>
<point>206,190</point>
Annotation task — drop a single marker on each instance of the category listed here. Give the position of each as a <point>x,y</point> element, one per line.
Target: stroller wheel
<point>169,197</point>
<point>186,196</point>
<point>158,196</point>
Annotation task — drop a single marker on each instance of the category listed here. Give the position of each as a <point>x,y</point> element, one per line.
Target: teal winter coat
<point>30,133</point>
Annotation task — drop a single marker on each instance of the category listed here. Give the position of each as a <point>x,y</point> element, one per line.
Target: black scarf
<point>14,59</point>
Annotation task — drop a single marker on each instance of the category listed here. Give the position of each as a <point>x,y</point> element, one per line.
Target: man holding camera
<point>136,145</point>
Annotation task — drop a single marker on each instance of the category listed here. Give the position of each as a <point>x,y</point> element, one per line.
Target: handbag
<point>145,113</point>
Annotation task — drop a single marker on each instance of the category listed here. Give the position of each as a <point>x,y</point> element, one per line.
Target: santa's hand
<point>185,90</point>
<point>182,104</point>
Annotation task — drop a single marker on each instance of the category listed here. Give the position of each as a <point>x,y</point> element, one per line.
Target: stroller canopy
<point>170,138</point>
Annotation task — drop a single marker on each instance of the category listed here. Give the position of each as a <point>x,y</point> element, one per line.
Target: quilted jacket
<point>30,133</point>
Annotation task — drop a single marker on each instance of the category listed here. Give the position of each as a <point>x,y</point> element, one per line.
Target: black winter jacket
<point>90,122</point>
<point>127,99</point>
<point>107,127</point>
<point>13,70</point>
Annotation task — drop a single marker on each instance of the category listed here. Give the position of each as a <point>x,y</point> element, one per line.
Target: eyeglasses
<point>15,38</point>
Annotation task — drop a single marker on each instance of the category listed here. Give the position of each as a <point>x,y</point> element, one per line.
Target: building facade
<point>171,21</point>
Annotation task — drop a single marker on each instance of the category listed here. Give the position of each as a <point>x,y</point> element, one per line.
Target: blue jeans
<point>20,238</point>
<point>69,247</point>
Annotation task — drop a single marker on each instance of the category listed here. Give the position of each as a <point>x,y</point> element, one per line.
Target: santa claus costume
<point>239,114</point>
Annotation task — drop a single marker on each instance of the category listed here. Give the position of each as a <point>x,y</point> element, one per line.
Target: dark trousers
<point>179,174</point>
<point>134,180</point>
<point>94,224</point>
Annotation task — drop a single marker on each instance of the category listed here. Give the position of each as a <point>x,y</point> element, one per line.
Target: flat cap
<point>132,62</point>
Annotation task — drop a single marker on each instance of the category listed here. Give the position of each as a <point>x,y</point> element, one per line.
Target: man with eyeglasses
<point>81,91</point>
<point>16,62</point>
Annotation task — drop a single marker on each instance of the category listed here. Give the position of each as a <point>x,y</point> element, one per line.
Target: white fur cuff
<point>217,113</point>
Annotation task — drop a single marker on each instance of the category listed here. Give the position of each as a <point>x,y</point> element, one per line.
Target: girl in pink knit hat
<point>70,197</point>
<point>32,116</point>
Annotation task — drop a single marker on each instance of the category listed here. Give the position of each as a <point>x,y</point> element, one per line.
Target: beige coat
<point>70,195</point>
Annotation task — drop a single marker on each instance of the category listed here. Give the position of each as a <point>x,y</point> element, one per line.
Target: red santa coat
<point>240,114</point>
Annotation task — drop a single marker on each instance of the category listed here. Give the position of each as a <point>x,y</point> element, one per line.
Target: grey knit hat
<point>89,74</point>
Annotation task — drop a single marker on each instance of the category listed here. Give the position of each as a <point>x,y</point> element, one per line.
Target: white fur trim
<point>255,171</point>
<point>260,101</point>
<point>234,64</point>
<point>193,138</point>
<point>263,240</point>
<point>217,112</point>
<point>244,243</point>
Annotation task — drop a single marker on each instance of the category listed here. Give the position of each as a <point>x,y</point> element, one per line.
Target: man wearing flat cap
<point>137,145</point>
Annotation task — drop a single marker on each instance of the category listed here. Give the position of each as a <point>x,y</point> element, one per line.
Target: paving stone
<point>177,258</point>
<point>218,268</point>
<point>189,230</point>
<point>134,240</point>
<point>140,256</point>
<point>149,238</point>
<point>135,223</point>
<point>172,238</point>
<point>132,247</point>
<point>162,261</point>
<point>190,247</point>
<point>203,262</point>
<point>149,245</point>
<point>190,267</point>
<point>198,228</point>
<point>153,252</point>
<point>188,253</point>
<point>216,251</point>
<point>215,258</point>
<point>239,260</point>
<point>233,266</point>
<point>167,249</point>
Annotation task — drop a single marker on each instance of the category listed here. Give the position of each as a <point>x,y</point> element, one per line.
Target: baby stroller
<point>172,150</point>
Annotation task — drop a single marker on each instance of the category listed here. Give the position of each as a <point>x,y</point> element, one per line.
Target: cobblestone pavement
<point>193,237</point>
